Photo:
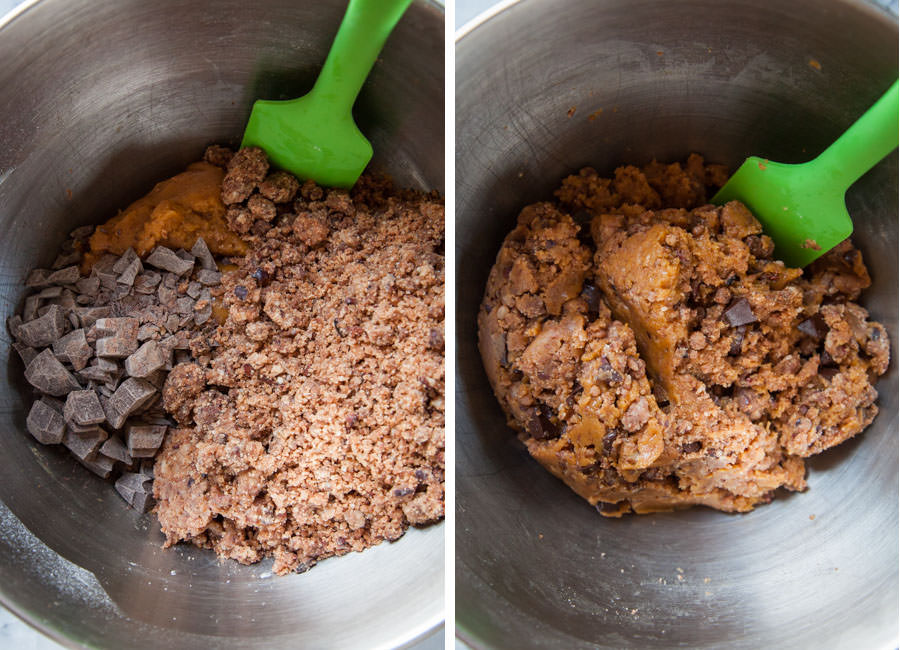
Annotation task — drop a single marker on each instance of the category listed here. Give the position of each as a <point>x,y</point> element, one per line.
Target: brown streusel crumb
<point>313,425</point>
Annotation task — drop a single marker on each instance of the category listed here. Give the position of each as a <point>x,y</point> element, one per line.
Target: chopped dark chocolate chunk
<point>203,255</point>
<point>74,349</point>
<point>737,342</point>
<point>48,375</point>
<point>131,396</point>
<point>591,295</point>
<point>114,448</point>
<point>148,358</point>
<point>45,423</point>
<point>99,465</point>
<point>38,278</point>
<point>25,352</point>
<point>167,260</point>
<point>208,277</point>
<point>143,441</point>
<point>84,443</point>
<point>83,408</point>
<point>739,313</point>
<point>44,330</point>
<point>815,327</point>
<point>68,275</point>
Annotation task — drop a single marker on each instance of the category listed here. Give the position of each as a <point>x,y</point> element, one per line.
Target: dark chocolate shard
<point>168,260</point>
<point>814,326</point>
<point>540,425</point>
<point>83,408</point>
<point>84,443</point>
<point>740,313</point>
<point>43,331</point>
<point>737,343</point>
<point>73,348</point>
<point>131,395</point>
<point>48,375</point>
<point>45,423</point>
<point>143,441</point>
<point>114,448</point>
<point>591,295</point>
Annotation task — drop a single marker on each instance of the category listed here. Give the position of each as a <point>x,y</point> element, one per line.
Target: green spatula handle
<point>867,141</point>
<point>362,34</point>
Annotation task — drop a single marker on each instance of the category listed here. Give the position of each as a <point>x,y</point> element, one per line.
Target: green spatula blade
<point>802,207</point>
<point>315,136</point>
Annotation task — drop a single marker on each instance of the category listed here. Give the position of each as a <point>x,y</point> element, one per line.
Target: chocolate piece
<point>193,289</point>
<point>99,465</point>
<point>48,375</point>
<point>88,286</point>
<point>691,447</point>
<point>129,397</point>
<point>114,448</point>
<point>131,271</point>
<point>737,342</point>
<point>123,327</point>
<point>143,501</point>
<point>96,374</point>
<point>82,232</point>
<point>116,348</point>
<point>116,420</point>
<point>815,327</point>
<point>26,353</point>
<point>740,313</point>
<point>84,443</point>
<point>66,259</point>
<point>124,261</point>
<point>146,283</point>
<point>184,255</point>
<point>49,292</point>
<point>143,441</point>
<point>38,278</point>
<point>90,315</point>
<point>68,275</point>
<point>167,260</point>
<point>591,295</point>
<point>148,358</point>
<point>44,330</point>
<point>204,257</point>
<point>540,426</point>
<point>45,423</point>
<point>184,306</point>
<point>83,408</point>
<point>209,278</point>
<point>74,349</point>
<point>13,323</point>
<point>32,304</point>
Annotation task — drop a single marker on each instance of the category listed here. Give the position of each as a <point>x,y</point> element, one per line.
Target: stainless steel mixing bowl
<point>536,565</point>
<point>99,100</point>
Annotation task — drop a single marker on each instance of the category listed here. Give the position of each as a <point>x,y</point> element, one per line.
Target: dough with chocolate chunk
<point>652,354</point>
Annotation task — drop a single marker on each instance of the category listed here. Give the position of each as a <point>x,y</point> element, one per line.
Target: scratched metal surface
<point>99,100</point>
<point>536,566</point>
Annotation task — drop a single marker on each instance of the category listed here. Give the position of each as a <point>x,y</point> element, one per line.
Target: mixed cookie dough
<point>259,361</point>
<point>653,355</point>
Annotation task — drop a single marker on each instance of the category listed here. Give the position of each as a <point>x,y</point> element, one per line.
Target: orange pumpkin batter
<point>175,213</point>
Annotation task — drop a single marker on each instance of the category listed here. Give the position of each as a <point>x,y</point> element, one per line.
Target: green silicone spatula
<point>314,136</point>
<point>801,207</point>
